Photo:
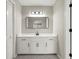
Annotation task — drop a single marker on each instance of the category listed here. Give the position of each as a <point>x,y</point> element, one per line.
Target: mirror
<point>36,22</point>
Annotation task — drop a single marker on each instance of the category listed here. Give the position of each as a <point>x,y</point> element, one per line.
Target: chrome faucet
<point>37,33</point>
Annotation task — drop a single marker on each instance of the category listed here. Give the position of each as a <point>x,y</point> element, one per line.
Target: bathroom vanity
<point>36,36</point>
<point>34,44</point>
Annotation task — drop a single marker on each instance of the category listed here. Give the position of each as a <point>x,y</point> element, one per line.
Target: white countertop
<point>34,35</point>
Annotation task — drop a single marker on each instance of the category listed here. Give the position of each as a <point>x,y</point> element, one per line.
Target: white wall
<point>58,25</point>
<point>17,22</point>
<point>47,11</point>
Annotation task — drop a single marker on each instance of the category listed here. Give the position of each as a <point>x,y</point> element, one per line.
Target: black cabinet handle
<point>50,39</point>
<point>28,44</point>
<point>46,44</point>
<point>37,44</point>
<point>23,39</point>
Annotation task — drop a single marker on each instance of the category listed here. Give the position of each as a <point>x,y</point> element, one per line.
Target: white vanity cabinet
<point>36,45</point>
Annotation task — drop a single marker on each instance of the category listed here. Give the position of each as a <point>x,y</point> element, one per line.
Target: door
<point>9,34</point>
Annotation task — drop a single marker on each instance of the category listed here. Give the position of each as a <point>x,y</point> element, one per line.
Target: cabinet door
<point>22,46</point>
<point>51,46</point>
<point>42,46</point>
<point>34,47</point>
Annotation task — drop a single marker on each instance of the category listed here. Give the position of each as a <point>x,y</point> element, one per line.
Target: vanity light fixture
<point>36,13</point>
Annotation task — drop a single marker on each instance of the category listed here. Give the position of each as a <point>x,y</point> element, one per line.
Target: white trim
<point>12,6</point>
<point>66,29</point>
<point>59,56</point>
<point>15,56</point>
<point>11,1</point>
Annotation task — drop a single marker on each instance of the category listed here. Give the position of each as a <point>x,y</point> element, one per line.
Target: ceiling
<point>37,2</point>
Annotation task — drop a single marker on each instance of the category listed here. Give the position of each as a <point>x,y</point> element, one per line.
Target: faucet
<point>37,33</point>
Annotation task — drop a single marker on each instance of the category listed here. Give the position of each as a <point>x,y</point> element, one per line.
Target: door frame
<point>12,36</point>
<point>68,29</point>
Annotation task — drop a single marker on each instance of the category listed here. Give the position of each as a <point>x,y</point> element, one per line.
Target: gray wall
<point>47,10</point>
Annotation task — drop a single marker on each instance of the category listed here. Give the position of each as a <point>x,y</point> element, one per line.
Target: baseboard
<point>14,56</point>
<point>59,56</point>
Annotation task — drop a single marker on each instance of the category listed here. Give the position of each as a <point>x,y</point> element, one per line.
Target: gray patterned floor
<point>36,57</point>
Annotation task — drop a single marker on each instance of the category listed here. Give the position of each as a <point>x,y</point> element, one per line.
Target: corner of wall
<point>58,25</point>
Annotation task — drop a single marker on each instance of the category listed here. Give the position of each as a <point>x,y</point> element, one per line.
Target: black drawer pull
<point>23,39</point>
<point>50,39</point>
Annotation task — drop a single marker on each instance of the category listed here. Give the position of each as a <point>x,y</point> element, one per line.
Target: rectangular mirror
<point>36,22</point>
